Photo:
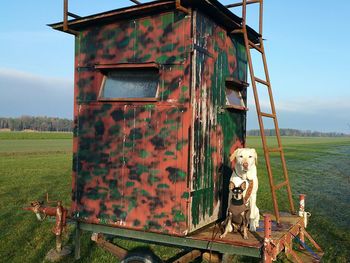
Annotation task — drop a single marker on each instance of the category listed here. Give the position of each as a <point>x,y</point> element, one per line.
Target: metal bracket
<point>182,8</point>
<point>136,2</point>
<point>67,14</point>
<point>220,110</point>
<point>242,3</point>
<point>117,251</point>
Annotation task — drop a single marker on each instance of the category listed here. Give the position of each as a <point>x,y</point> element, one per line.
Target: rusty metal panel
<point>161,39</point>
<point>212,8</point>
<point>134,165</point>
<point>217,131</point>
<point>131,158</point>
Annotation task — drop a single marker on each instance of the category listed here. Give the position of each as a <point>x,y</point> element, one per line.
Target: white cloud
<point>319,114</point>
<point>18,76</point>
<point>22,93</point>
<point>307,105</point>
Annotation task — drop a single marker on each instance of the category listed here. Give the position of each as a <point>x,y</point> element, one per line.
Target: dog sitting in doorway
<point>238,213</point>
<point>245,168</point>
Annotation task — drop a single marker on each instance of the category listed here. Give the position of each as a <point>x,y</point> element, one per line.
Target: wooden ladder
<point>259,46</point>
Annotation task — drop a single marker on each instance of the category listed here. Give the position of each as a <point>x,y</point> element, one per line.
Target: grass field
<point>32,164</point>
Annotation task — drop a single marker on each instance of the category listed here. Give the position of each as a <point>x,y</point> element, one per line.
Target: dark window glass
<point>130,83</point>
<point>234,97</point>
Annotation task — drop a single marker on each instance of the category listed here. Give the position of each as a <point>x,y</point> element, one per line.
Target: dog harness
<point>239,213</point>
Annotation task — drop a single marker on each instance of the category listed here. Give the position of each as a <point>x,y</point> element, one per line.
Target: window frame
<point>238,86</point>
<point>105,69</point>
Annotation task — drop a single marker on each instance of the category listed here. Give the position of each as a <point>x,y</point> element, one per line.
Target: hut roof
<point>212,8</point>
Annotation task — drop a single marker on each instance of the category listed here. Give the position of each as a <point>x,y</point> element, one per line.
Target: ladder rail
<point>261,126</point>
<point>254,80</point>
<point>278,134</point>
<point>258,109</point>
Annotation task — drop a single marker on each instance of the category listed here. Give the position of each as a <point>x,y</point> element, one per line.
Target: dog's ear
<point>244,185</point>
<point>231,186</point>
<point>255,157</point>
<point>234,155</point>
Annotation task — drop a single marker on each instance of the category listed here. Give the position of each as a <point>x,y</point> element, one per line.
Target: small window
<point>130,84</point>
<point>234,98</point>
<point>235,91</point>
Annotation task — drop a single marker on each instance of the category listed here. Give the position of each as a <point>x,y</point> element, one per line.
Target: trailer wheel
<point>139,258</point>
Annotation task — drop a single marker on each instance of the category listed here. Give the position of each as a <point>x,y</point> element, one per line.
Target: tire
<point>139,258</point>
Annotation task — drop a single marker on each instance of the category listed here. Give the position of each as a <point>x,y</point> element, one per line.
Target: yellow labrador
<point>245,168</point>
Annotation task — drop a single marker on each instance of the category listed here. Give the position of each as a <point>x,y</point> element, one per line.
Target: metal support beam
<point>115,250</point>
<point>173,240</point>
<point>136,2</point>
<point>73,15</point>
<point>268,250</point>
<point>240,4</point>
<point>77,241</point>
<point>189,257</point>
<point>66,13</point>
<point>181,8</point>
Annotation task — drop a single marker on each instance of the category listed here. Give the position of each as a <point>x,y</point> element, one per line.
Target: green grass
<point>35,135</point>
<point>32,164</point>
<point>319,168</point>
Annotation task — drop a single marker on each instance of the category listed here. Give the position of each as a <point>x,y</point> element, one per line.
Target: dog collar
<point>244,173</point>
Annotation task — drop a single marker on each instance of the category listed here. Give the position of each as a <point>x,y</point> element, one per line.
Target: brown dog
<point>238,212</point>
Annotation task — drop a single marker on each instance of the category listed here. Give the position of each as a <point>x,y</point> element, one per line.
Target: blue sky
<point>306,48</point>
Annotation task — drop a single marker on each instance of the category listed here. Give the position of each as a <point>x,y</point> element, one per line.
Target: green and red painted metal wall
<point>159,165</point>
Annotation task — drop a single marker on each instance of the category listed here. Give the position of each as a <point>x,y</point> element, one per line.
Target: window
<point>130,84</point>
<point>235,92</point>
<point>234,97</point>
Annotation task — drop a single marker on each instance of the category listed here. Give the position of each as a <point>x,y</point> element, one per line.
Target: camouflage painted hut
<point>160,102</point>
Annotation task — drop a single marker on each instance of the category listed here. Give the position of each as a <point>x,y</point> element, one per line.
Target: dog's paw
<point>222,236</point>
<point>245,237</point>
<point>252,225</point>
<point>252,228</point>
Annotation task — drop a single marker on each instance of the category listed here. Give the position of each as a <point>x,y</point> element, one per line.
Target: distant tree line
<point>36,123</point>
<point>294,132</point>
<point>66,125</point>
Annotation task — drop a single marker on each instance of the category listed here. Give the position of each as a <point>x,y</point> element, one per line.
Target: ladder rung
<point>237,31</point>
<point>274,149</point>
<point>268,115</point>
<point>251,44</point>
<point>278,186</point>
<point>262,81</point>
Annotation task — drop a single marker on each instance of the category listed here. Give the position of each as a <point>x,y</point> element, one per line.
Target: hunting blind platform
<point>160,101</point>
